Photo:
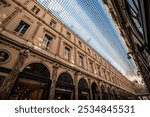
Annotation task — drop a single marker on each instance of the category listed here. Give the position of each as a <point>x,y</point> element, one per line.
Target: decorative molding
<point>27,18</point>
<point>10,17</point>
<point>10,80</point>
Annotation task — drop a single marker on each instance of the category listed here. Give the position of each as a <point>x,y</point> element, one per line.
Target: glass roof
<point>90,20</point>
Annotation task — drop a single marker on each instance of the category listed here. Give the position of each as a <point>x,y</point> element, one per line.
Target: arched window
<point>33,83</point>
<point>65,79</point>
<point>82,84</point>
<point>64,87</point>
<point>83,90</point>
<point>95,92</point>
<point>104,93</point>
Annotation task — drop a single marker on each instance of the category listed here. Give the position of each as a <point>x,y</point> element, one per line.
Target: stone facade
<point>132,20</point>
<point>41,58</point>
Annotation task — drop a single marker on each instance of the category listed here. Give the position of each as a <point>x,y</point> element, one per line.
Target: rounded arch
<point>83,78</point>
<point>61,72</point>
<point>115,94</point>
<point>37,69</point>
<point>83,89</point>
<point>82,84</point>
<point>95,91</point>
<point>65,78</point>
<point>104,92</point>
<point>110,93</point>
<point>122,97</point>
<point>64,87</point>
<point>32,83</point>
<point>37,62</point>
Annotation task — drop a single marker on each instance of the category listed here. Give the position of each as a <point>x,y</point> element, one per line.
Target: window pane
<point>81,60</point>
<point>53,24</point>
<point>19,27</point>
<point>35,9</point>
<point>67,53</point>
<point>24,29</point>
<point>47,40</point>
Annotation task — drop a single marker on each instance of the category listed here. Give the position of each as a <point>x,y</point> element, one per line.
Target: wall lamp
<point>128,55</point>
<point>138,73</point>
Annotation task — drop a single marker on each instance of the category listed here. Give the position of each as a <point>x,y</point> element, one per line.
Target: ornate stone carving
<point>8,83</point>
<point>4,56</point>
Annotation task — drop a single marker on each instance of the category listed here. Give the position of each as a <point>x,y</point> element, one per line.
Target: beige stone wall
<point>33,38</point>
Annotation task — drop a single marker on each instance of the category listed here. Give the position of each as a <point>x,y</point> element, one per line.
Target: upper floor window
<point>81,60</point>
<point>2,3</point>
<point>67,52</point>
<point>35,9</point>
<point>108,75</point>
<point>80,44</point>
<point>47,41</point>
<point>89,51</point>
<point>53,24</point>
<point>21,28</point>
<point>90,66</point>
<point>103,73</point>
<point>95,56</point>
<point>68,35</point>
<point>135,14</point>
<point>98,71</point>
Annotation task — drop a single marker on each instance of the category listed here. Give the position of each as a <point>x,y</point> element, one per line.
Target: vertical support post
<point>10,80</point>
<point>53,84</point>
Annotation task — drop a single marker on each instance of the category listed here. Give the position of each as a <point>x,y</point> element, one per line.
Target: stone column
<point>53,84</point>
<point>100,91</point>
<point>76,85</point>
<point>90,88</point>
<point>39,24</point>
<point>10,80</point>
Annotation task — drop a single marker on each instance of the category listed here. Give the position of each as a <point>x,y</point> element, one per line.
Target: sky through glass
<point>90,20</point>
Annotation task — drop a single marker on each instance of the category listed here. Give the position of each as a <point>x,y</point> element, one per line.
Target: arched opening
<point>95,92</point>
<point>104,93</point>
<point>115,95</point>
<point>64,87</point>
<point>121,95</point>
<point>110,94</point>
<point>32,84</point>
<point>83,90</point>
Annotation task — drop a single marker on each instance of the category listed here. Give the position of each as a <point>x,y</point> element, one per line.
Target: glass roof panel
<point>90,20</point>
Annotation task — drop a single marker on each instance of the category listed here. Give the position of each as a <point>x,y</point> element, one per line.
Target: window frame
<point>53,23</point>
<point>37,10</point>
<point>89,50</point>
<point>22,28</point>
<point>68,57</point>
<point>98,70</point>
<point>68,35</point>
<point>91,68</point>
<point>79,58</point>
<point>3,3</point>
<point>47,46</point>
<point>79,43</point>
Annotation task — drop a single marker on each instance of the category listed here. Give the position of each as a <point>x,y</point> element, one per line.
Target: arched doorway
<point>95,91</point>
<point>104,93</point>
<point>83,90</point>
<point>32,83</point>
<point>64,87</point>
